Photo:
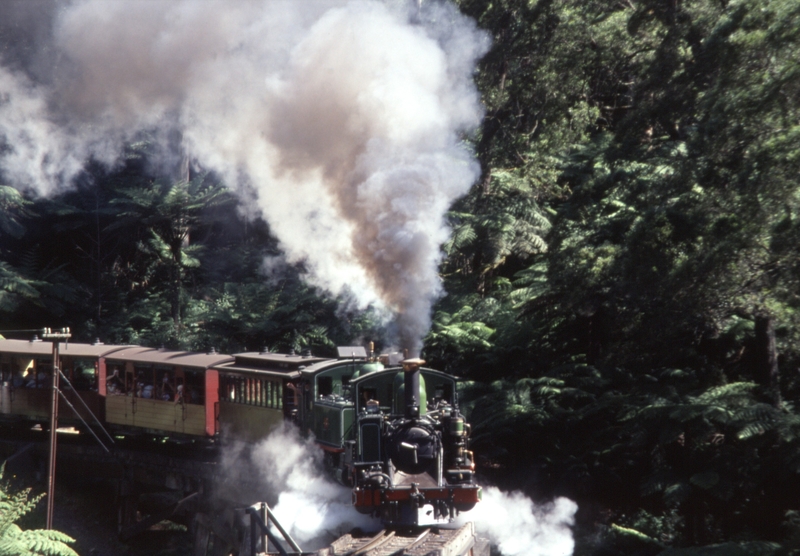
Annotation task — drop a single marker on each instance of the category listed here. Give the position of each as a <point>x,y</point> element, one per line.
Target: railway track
<point>428,542</point>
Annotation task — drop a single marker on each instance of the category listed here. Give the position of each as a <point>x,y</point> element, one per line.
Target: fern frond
<point>727,391</point>
<point>638,535</point>
<point>751,430</point>
<point>46,543</point>
<point>687,412</point>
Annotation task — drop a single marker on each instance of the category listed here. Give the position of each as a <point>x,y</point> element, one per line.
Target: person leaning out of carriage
<point>114,383</point>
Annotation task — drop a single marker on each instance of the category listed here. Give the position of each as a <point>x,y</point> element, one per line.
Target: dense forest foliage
<point>622,284</point>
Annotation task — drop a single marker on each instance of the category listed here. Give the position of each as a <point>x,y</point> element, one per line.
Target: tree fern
<point>37,542</point>
<point>529,285</point>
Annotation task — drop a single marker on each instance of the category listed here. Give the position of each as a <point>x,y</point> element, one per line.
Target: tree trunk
<point>175,279</point>
<point>766,365</point>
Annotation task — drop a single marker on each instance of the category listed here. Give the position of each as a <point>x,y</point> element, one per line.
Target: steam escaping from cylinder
<point>341,121</point>
<point>518,527</point>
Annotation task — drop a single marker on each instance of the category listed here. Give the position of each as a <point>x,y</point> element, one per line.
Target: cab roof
<point>274,364</point>
<point>275,361</point>
<point>286,365</point>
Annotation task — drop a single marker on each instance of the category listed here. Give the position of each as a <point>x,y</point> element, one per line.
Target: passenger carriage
<point>161,391</point>
<point>26,378</point>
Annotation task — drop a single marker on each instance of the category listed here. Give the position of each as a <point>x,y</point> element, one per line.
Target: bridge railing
<point>261,517</point>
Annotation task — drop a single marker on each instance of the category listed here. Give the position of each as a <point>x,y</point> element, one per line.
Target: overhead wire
<point>99,424</point>
<point>75,411</point>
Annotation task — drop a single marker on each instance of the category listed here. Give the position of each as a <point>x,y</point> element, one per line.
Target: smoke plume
<point>345,118</point>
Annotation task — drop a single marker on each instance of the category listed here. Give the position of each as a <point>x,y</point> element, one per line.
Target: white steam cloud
<point>518,527</point>
<point>344,117</point>
<point>33,150</point>
<point>312,508</point>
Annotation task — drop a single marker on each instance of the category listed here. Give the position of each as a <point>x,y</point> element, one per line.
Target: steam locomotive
<point>390,428</point>
<point>400,448</point>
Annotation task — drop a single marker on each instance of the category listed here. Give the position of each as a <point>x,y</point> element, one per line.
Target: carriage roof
<point>165,357</point>
<point>34,348</point>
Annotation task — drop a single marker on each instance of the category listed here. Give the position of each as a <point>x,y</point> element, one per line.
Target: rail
<point>433,541</point>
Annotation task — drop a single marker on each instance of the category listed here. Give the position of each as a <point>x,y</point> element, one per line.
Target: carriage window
<point>251,391</point>
<point>194,387</point>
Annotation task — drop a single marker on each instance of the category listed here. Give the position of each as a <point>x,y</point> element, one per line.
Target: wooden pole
<point>47,334</point>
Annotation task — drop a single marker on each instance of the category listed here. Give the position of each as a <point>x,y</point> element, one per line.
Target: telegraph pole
<point>55,336</point>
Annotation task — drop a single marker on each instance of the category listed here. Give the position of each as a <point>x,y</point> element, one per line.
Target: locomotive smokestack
<point>411,387</point>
